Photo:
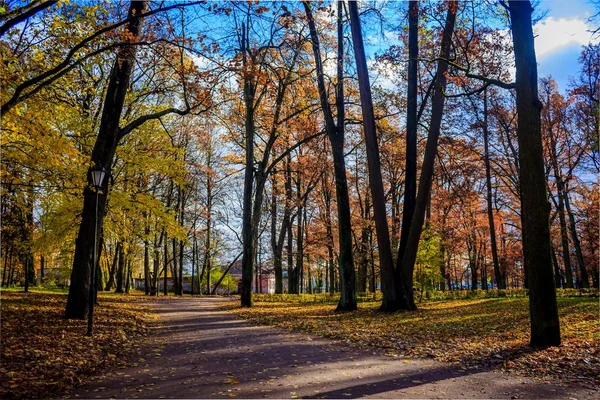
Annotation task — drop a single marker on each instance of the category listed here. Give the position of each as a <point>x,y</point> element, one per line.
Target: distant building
<point>265,283</point>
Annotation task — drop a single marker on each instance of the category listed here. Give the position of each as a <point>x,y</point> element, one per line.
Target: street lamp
<point>97,174</point>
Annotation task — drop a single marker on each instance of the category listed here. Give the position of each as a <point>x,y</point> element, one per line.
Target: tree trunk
<point>299,241</point>
<point>290,257</point>
<point>128,275</point>
<point>410,182</point>
<point>146,268</point>
<point>584,281</point>
<point>498,275</point>
<point>535,209</point>
<point>278,240</point>
<point>390,300</point>
<point>247,229</point>
<point>42,265</point>
<point>557,276</point>
<point>5,271</point>
<point>166,264</point>
<point>277,264</point>
<point>181,251</point>
<point>113,269</point>
<point>437,109</point>
<point>336,137</point>
<point>156,260</point>
<point>472,250</point>
<point>361,281</point>
<point>194,250</point>
<point>174,266</point>
<point>120,270</point>
<point>102,154</point>
<point>560,209</point>
<point>329,233</point>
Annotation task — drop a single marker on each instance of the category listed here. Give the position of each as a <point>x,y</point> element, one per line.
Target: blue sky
<point>560,36</point>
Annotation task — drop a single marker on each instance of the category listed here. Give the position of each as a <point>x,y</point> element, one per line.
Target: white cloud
<point>553,34</point>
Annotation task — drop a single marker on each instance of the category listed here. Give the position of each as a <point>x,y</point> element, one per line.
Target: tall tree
<point>336,137</point>
<point>375,180</point>
<point>498,273</point>
<point>410,178</point>
<point>543,309</point>
<point>103,154</point>
<point>437,109</point>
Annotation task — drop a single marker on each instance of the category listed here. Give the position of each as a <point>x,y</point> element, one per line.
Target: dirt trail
<point>209,353</point>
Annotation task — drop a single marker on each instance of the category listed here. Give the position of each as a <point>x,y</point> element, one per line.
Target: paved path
<point>209,353</point>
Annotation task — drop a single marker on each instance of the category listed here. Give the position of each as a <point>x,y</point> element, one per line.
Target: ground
<point>42,353</point>
<point>206,352</point>
<point>486,333</point>
<point>197,348</point>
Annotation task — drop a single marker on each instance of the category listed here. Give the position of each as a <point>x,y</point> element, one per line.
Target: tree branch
<point>25,15</point>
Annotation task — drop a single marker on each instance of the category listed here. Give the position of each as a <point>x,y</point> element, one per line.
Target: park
<point>331,199</point>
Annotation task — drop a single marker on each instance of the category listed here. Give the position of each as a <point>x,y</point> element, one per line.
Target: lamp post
<point>97,174</point>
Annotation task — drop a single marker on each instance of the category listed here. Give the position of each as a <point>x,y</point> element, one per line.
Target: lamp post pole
<point>97,174</point>
<point>92,299</point>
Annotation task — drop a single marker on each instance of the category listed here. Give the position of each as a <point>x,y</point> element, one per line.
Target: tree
<point>336,137</point>
<point>110,133</point>
<point>375,180</point>
<point>545,328</point>
<point>437,108</point>
<point>410,180</point>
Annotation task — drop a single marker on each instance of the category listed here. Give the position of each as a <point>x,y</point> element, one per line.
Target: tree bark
<point>560,209</point>
<point>498,275</point>
<point>472,250</point>
<point>247,229</point>
<point>6,266</point>
<point>128,275</point>
<point>113,269</point>
<point>120,270</point>
<point>42,265</point>
<point>388,287</point>
<point>336,137</point>
<point>146,268</point>
<point>329,232</point>
<point>410,183</point>
<point>174,266</point>
<point>166,264</point>
<point>557,276</point>
<point>535,209</point>
<point>102,154</point>
<point>437,108</point>
<point>290,257</point>
<point>278,239</point>
<point>299,240</point>
<point>584,282</point>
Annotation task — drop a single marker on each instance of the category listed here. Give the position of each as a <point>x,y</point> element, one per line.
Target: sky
<point>560,35</point>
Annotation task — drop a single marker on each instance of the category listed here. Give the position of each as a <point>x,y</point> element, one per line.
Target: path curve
<point>206,352</point>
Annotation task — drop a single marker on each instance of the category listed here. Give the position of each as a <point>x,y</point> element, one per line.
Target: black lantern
<point>98,173</point>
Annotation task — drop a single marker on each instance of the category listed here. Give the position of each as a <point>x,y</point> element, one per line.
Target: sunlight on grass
<point>482,333</point>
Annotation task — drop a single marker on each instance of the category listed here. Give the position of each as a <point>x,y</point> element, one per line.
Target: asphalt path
<point>198,350</point>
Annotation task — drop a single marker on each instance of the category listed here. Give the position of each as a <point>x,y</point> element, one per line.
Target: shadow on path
<point>198,350</point>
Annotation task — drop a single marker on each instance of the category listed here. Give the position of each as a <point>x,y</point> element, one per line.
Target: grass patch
<point>43,353</point>
<point>482,333</point>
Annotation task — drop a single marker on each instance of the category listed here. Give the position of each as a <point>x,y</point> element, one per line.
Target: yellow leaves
<point>231,381</point>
